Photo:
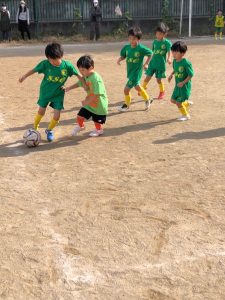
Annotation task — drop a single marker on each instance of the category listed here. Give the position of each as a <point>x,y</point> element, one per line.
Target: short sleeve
<point>41,67</point>
<point>168,46</point>
<point>146,51</point>
<point>123,52</point>
<point>72,70</point>
<point>189,69</point>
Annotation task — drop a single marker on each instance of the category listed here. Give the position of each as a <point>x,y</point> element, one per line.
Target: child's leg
<point>55,120</point>
<point>39,116</point>
<point>127,96</point>
<point>80,121</point>
<point>146,81</point>
<point>98,126</point>
<point>161,85</point>
<point>142,92</point>
<point>183,108</point>
<point>221,34</point>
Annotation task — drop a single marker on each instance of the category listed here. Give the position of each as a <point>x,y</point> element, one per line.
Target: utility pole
<point>190,17</point>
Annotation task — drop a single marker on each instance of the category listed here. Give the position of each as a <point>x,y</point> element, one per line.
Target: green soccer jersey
<point>96,87</point>
<point>182,69</point>
<point>160,49</point>
<point>54,78</point>
<point>134,58</point>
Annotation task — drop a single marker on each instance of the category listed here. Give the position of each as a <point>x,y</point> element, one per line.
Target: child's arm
<point>120,59</point>
<point>73,86</point>
<point>169,58</point>
<point>181,84</point>
<point>171,76</point>
<point>145,66</point>
<point>29,73</point>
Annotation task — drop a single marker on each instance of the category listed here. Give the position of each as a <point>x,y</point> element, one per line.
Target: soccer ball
<point>31,138</point>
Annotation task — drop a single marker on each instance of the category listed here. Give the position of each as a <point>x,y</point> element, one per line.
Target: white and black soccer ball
<point>31,138</point>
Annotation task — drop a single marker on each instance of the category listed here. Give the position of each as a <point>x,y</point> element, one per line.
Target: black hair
<point>163,28</point>
<point>54,50</point>
<point>85,62</point>
<point>21,8</point>
<point>179,47</point>
<point>135,31</point>
<point>3,4</point>
<point>218,10</point>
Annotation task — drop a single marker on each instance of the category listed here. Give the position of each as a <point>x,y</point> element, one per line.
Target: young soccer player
<point>183,74</point>
<point>134,54</point>
<point>219,24</point>
<point>95,105</point>
<point>161,54</point>
<point>56,72</point>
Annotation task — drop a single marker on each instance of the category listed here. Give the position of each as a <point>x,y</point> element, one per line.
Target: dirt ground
<point>135,214</point>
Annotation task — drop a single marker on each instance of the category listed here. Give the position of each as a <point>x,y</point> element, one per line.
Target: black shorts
<point>101,119</point>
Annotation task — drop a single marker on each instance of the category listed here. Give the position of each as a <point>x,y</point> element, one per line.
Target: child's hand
<point>145,66</point>
<point>180,84</point>
<point>169,61</point>
<point>119,61</point>
<point>22,78</point>
<point>170,77</point>
<point>83,103</point>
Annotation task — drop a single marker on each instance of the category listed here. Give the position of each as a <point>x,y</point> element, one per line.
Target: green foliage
<point>123,27</point>
<point>166,18</point>
<point>77,14</point>
<point>211,15</point>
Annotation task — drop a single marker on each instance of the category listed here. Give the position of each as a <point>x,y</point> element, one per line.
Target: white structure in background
<point>190,16</point>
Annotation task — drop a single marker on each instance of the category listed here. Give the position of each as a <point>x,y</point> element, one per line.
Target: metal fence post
<point>36,17</point>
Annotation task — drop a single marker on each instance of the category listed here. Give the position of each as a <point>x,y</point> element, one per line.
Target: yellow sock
<point>145,84</point>
<point>128,99</point>
<point>186,104</point>
<point>52,124</point>
<point>215,36</point>
<point>221,35</point>
<point>144,94</point>
<point>37,121</point>
<point>183,109</point>
<point>161,87</point>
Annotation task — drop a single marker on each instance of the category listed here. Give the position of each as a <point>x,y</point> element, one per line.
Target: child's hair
<point>54,51</point>
<point>163,28</point>
<point>85,62</point>
<point>136,32</point>
<point>219,10</point>
<point>179,47</point>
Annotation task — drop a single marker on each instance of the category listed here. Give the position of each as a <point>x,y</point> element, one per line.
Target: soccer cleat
<point>184,118</point>
<point>76,130</point>
<point>50,135</point>
<point>148,103</point>
<point>96,133</point>
<point>161,95</point>
<point>124,107</point>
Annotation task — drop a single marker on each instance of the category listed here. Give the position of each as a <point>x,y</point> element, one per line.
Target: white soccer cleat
<point>184,118</point>
<point>148,103</point>
<point>76,130</point>
<point>96,133</point>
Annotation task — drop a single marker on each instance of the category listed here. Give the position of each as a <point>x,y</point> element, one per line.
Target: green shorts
<point>180,95</point>
<point>132,83</point>
<point>218,29</point>
<point>159,74</point>
<point>55,104</point>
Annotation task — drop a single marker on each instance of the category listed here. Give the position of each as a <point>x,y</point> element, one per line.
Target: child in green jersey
<point>161,54</point>
<point>56,72</point>
<point>219,24</point>
<point>95,105</point>
<point>134,54</point>
<point>183,72</point>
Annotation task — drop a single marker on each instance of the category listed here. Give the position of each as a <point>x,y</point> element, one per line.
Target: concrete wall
<point>200,27</point>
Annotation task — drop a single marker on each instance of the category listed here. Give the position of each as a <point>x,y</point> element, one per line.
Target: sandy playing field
<point>135,214</point>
